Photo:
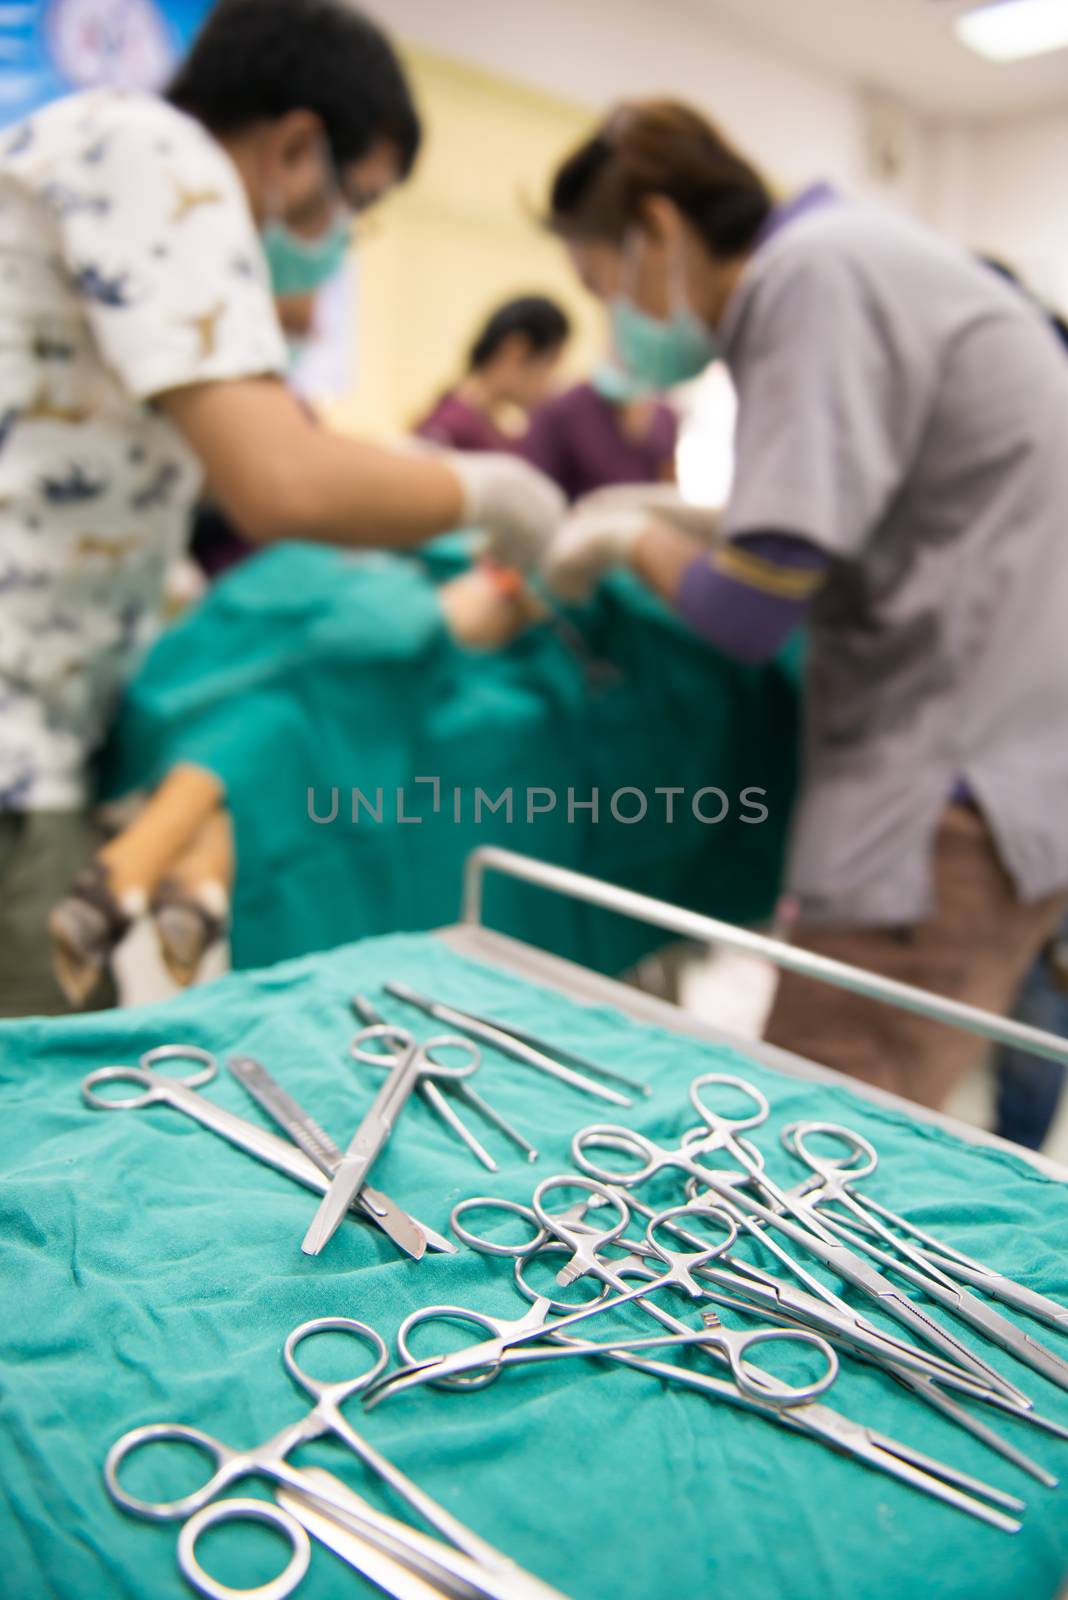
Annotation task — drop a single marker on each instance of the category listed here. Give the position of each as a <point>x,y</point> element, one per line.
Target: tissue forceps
<point>159,1088</point>
<point>508,1043</point>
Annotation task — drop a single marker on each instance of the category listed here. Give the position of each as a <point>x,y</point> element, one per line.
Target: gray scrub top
<point>905,410</point>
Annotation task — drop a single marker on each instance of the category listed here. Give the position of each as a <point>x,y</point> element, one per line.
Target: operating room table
<point>153,1271</point>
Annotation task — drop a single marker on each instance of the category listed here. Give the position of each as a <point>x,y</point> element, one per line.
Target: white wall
<point>1020,203</point>
<point>796,121</point>
<point>1000,187</point>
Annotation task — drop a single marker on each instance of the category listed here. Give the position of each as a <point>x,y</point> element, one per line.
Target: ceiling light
<point>1009,30</point>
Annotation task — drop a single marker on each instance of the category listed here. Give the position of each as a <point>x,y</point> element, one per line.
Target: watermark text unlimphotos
<point>627,805</point>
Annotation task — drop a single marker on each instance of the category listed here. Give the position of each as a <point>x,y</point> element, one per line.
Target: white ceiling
<point>905,46</point>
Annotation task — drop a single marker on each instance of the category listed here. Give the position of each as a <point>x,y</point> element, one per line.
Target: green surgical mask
<point>300,266</point>
<point>661,352</point>
<point>616,384</point>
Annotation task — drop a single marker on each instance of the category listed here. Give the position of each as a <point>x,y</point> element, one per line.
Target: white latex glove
<point>659,501</point>
<point>519,507</point>
<point>591,540</point>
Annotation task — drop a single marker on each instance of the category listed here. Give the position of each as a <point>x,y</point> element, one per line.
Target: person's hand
<point>519,507</point>
<point>593,539</point>
<point>661,502</point>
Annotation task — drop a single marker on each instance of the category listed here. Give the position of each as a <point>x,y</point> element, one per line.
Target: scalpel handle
<point>304,1131</point>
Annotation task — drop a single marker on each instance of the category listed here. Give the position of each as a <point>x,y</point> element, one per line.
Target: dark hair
<point>257,59</point>
<point>543,323</point>
<point>659,147</point>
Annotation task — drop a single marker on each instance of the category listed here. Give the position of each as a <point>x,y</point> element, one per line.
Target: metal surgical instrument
<point>472,1561</point>
<point>459,1079</point>
<point>375,1128</point>
<point>676,1270</point>
<point>386,1571</point>
<point>832,1179</point>
<point>507,1042</point>
<point>412,1236</point>
<point>158,1088</point>
<point>563,1053</point>
<point>818,1421</point>
<point>801,1226</point>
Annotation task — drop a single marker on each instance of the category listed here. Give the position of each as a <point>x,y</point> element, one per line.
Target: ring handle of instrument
<point>244,1510</point>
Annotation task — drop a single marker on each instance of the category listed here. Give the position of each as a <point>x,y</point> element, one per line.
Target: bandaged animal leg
<point>191,905</point>
<point>89,924</point>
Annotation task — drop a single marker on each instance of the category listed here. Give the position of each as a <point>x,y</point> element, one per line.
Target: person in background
<point>510,371</point>
<point>1028,1089</point>
<point>144,362</point>
<point>611,430</point>
<point>906,506</point>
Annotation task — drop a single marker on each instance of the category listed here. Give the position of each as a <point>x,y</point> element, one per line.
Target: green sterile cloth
<point>152,1272</point>
<point>313,669</point>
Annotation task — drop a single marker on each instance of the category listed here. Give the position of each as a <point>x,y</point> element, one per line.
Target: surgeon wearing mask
<point>300,265</point>
<point>144,364</point>
<point>900,483</point>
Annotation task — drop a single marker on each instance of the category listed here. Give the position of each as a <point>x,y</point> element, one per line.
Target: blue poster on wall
<point>49,47</point>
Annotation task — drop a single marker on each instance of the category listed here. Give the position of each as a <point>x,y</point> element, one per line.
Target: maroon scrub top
<point>460,426</point>
<point>576,438</point>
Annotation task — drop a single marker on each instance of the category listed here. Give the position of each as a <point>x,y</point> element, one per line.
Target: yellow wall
<point>459,238</point>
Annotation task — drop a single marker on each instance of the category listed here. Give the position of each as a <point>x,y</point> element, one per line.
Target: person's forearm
<point>343,491</point>
<point>745,598</point>
<point>279,476</point>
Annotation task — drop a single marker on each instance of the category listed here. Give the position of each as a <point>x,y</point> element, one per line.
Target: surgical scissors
<point>459,1079</point>
<point>159,1088</point>
<point>472,1562</point>
<point>799,1223</point>
<point>406,1069</point>
<point>675,1268</point>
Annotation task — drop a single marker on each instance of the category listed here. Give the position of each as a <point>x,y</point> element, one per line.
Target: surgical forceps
<point>817,1421</point>
<point>915,1370</point>
<point>675,1268</point>
<point>831,1180</point>
<point>720,1132</point>
<point>516,1045</point>
<point>471,1566</point>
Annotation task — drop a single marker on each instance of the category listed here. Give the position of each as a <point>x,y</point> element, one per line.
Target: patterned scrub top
<point>129,265</point>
